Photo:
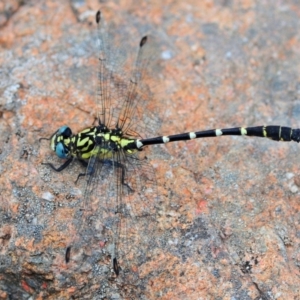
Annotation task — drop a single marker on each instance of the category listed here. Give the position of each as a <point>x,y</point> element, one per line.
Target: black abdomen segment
<point>276,133</point>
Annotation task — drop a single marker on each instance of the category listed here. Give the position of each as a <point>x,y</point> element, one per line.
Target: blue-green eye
<point>61,150</point>
<point>65,131</point>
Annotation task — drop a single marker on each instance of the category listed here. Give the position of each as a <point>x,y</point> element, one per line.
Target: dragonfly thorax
<point>92,141</point>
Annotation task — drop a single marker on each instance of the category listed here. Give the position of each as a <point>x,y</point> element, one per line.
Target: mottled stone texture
<point>227,224</point>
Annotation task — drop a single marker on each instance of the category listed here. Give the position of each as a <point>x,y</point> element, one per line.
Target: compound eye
<point>65,131</point>
<point>61,150</point>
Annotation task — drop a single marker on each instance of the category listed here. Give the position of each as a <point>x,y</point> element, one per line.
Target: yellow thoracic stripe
<point>83,145</point>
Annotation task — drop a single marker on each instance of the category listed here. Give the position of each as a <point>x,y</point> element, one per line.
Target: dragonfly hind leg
<point>90,171</point>
<point>122,167</point>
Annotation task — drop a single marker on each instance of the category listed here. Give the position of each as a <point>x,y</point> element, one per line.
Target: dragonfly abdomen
<point>273,132</point>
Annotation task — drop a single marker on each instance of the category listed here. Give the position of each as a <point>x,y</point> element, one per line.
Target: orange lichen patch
<point>3,295</point>
<point>31,268</point>
<point>22,242</point>
<point>14,207</point>
<point>201,207</point>
<point>40,296</point>
<point>184,286</point>
<point>7,38</point>
<point>35,116</point>
<point>70,290</point>
<point>55,239</point>
<point>21,173</point>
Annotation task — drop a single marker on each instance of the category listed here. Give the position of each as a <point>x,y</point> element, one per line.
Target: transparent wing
<point>119,208</point>
<point>123,92</point>
<point>118,222</point>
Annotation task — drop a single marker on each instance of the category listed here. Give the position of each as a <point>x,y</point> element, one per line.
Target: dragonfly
<point>110,152</point>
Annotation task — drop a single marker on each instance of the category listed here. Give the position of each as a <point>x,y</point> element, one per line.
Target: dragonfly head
<point>60,142</point>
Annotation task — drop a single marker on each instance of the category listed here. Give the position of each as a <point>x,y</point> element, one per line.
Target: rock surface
<point>227,225</point>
